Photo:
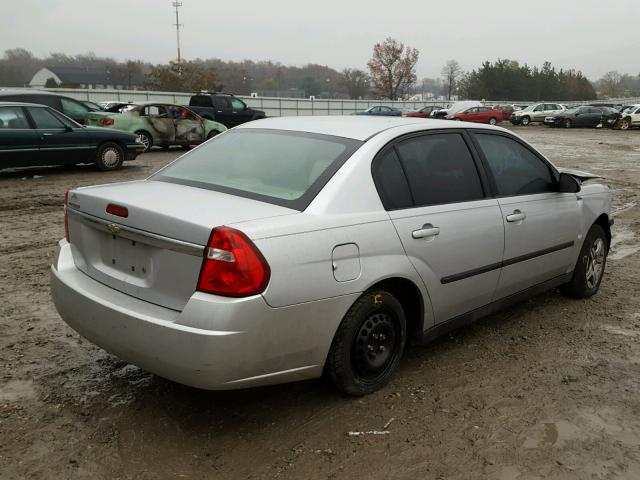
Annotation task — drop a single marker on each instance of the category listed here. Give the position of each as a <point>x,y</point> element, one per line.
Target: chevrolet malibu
<point>289,248</point>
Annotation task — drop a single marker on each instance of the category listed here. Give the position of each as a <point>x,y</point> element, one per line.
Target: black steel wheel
<point>368,345</point>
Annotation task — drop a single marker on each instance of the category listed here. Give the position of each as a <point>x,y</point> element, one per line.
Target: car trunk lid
<point>154,249</point>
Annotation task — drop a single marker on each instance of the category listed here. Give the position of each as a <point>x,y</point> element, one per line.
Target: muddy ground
<point>547,389</point>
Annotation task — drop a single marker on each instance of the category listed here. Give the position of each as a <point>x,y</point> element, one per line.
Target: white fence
<point>276,107</point>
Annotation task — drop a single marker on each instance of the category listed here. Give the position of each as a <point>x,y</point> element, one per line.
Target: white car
<point>289,248</point>
<point>536,113</point>
<point>630,118</point>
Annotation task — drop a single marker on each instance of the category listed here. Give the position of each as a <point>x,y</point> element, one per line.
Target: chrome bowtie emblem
<point>113,228</point>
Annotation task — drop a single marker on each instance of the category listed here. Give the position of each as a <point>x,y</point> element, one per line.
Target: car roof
<point>27,91</point>
<point>20,104</point>
<point>356,127</point>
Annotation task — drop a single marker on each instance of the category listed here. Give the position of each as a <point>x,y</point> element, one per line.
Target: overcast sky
<point>594,36</point>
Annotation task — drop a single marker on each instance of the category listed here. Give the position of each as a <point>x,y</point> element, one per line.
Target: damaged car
<point>296,247</point>
<point>160,124</point>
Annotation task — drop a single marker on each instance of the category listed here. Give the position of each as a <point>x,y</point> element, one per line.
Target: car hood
<point>110,133</point>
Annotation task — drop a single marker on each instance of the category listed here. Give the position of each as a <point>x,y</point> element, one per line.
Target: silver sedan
<point>289,248</point>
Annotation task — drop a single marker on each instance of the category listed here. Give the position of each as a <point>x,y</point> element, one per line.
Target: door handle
<point>47,134</point>
<point>426,231</point>
<point>516,216</point>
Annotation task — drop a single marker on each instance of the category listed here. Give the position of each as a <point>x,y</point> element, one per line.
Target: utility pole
<point>177,5</point>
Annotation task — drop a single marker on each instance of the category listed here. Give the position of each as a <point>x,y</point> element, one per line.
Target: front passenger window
<point>516,170</point>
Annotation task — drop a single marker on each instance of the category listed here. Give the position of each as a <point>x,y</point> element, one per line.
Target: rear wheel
<point>492,121</point>
<point>525,121</point>
<point>146,139</point>
<point>212,134</point>
<point>567,123</point>
<point>589,269</point>
<point>110,156</point>
<point>368,346</point>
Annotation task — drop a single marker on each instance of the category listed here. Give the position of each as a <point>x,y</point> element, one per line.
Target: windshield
<point>529,108</point>
<point>277,166</point>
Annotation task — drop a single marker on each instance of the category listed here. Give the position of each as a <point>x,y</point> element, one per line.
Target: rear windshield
<point>276,166</point>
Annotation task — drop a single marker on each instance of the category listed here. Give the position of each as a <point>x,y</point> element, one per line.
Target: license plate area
<point>127,256</point>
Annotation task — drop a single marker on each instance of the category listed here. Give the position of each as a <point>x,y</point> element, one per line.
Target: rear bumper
<point>215,343</point>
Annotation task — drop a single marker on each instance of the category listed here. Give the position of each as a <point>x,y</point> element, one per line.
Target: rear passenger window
<point>440,169</point>
<point>391,182</point>
<point>12,117</point>
<point>515,169</point>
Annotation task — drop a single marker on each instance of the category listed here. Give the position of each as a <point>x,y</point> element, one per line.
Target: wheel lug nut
<point>381,348</point>
<point>370,348</point>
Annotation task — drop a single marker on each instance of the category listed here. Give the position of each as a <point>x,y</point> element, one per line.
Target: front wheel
<point>110,156</point>
<point>525,121</point>
<point>589,269</point>
<point>625,124</point>
<point>368,346</point>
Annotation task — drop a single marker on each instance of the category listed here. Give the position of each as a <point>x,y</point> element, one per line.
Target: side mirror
<point>568,184</point>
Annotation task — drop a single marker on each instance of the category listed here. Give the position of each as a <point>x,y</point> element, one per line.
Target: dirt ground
<point>547,389</point>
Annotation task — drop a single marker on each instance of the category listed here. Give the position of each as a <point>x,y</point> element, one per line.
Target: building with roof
<point>86,77</point>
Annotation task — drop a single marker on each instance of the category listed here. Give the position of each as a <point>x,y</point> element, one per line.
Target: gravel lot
<point>547,389</point>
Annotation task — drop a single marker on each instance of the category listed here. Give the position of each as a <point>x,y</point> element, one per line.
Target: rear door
<point>161,123</point>
<point>19,144</point>
<point>60,143</point>
<point>451,231</point>
<point>224,112</point>
<point>542,227</point>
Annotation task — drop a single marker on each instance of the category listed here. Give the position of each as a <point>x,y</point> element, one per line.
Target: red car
<point>424,112</point>
<point>478,115</point>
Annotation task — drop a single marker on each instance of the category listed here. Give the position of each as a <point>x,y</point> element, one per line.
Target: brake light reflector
<point>66,216</point>
<point>232,265</point>
<point>106,121</point>
<point>117,210</point>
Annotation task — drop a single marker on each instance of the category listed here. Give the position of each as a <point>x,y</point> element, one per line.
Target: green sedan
<point>36,135</point>
<point>159,124</point>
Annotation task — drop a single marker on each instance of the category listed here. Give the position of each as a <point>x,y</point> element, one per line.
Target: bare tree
<point>451,73</point>
<point>356,82</point>
<point>393,68</point>
<point>611,84</point>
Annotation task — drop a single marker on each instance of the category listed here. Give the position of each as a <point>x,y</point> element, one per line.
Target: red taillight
<point>117,210</point>
<point>106,121</point>
<point>66,216</point>
<point>232,266</point>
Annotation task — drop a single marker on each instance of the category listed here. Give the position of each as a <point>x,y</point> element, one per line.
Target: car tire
<point>525,121</point>
<point>146,139</point>
<point>368,345</point>
<point>492,121</point>
<point>212,134</point>
<point>625,124</point>
<point>589,269</point>
<point>109,156</point>
<point>567,123</point>
<point>186,148</point>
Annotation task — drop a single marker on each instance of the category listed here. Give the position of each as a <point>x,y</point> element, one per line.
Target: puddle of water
<point>620,331</point>
<point>16,390</point>
<point>624,243</point>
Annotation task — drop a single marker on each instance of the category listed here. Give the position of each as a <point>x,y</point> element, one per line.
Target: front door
<point>189,128</point>
<point>60,142</point>
<point>19,143</point>
<point>451,232</point>
<point>542,230</point>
